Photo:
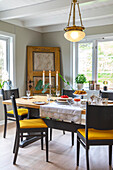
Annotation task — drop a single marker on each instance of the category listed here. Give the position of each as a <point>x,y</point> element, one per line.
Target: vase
<point>79,86</point>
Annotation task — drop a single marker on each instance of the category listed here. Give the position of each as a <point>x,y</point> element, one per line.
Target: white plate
<point>39,102</point>
<point>62,101</point>
<point>25,97</point>
<point>110,101</point>
<point>80,94</point>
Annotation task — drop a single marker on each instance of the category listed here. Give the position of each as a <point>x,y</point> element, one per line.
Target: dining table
<point>57,115</point>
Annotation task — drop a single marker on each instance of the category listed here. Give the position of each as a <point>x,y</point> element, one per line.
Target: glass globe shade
<point>74,35</point>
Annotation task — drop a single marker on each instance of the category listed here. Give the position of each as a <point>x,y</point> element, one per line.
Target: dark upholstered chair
<point>28,126</point>
<point>9,115</point>
<point>69,93</point>
<point>106,94</point>
<point>98,130</point>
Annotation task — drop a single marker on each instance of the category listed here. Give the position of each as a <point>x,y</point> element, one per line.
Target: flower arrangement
<point>5,78</point>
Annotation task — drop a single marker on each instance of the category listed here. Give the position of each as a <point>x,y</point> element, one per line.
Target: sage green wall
<point>23,37</point>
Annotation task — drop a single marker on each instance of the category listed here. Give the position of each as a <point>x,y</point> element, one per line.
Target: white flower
<point>5,76</point>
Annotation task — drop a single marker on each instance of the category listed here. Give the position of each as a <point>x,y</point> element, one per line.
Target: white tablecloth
<point>62,112</point>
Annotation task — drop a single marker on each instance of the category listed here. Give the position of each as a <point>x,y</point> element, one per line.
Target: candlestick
<point>50,91</point>
<point>56,78</point>
<point>43,77</point>
<point>56,90</point>
<point>50,77</point>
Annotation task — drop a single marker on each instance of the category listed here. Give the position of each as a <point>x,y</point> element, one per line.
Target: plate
<point>79,94</point>
<point>25,97</point>
<point>110,101</point>
<point>62,102</point>
<point>39,102</point>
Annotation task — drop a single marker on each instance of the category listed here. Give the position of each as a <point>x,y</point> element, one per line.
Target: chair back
<point>69,93</point>
<point>8,93</point>
<point>15,111</point>
<point>99,117</point>
<point>107,94</point>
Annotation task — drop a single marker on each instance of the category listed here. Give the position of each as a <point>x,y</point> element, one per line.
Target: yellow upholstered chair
<point>9,115</point>
<point>28,126</point>
<point>98,130</point>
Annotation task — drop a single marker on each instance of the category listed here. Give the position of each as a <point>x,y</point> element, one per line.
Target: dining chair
<point>9,115</point>
<point>28,126</point>
<point>106,94</point>
<point>98,130</point>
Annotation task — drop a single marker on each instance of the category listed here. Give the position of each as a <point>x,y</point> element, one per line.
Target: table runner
<point>62,112</point>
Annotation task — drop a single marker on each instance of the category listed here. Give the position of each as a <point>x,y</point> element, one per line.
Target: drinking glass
<point>48,97</point>
<point>57,93</point>
<point>105,101</point>
<point>28,93</point>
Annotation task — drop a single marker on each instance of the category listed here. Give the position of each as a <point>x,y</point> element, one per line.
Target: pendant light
<point>74,33</point>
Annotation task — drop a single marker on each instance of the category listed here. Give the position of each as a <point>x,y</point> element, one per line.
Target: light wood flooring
<point>61,155</point>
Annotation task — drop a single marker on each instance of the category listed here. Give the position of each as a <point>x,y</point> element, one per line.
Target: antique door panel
<point>39,59</point>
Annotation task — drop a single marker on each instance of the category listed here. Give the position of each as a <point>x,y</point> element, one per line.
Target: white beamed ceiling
<point>52,15</point>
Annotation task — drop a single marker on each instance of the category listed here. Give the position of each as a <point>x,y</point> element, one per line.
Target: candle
<point>50,77</point>
<point>56,78</point>
<point>43,77</point>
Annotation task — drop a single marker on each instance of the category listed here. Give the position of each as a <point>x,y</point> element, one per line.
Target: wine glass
<point>28,93</point>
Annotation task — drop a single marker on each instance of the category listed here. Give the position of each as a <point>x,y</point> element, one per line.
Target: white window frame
<point>10,38</point>
<point>74,52</point>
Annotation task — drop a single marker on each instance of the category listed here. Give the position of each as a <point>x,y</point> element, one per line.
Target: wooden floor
<point>61,155</point>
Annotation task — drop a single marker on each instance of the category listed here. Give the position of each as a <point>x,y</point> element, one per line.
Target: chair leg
<point>21,137</point>
<point>16,149</point>
<point>41,140</point>
<point>47,145</point>
<point>5,126</point>
<point>15,143</point>
<point>110,155</point>
<point>72,138</point>
<point>50,134</point>
<point>87,158</point>
<point>63,132</point>
<point>78,151</point>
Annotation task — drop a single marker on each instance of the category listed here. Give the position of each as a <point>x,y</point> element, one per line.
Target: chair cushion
<point>94,134</point>
<point>21,111</point>
<point>32,123</point>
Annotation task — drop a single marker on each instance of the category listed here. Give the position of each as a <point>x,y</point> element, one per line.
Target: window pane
<point>85,60</point>
<point>105,63</point>
<point>2,57</point>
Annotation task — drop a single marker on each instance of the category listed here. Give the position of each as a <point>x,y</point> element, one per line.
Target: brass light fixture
<point>74,33</point>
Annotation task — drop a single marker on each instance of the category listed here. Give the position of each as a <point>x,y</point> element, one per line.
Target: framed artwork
<point>39,59</point>
<point>43,61</point>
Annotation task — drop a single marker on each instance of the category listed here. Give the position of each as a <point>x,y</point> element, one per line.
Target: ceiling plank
<point>88,23</point>
<point>37,9</point>
<point>95,13</point>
